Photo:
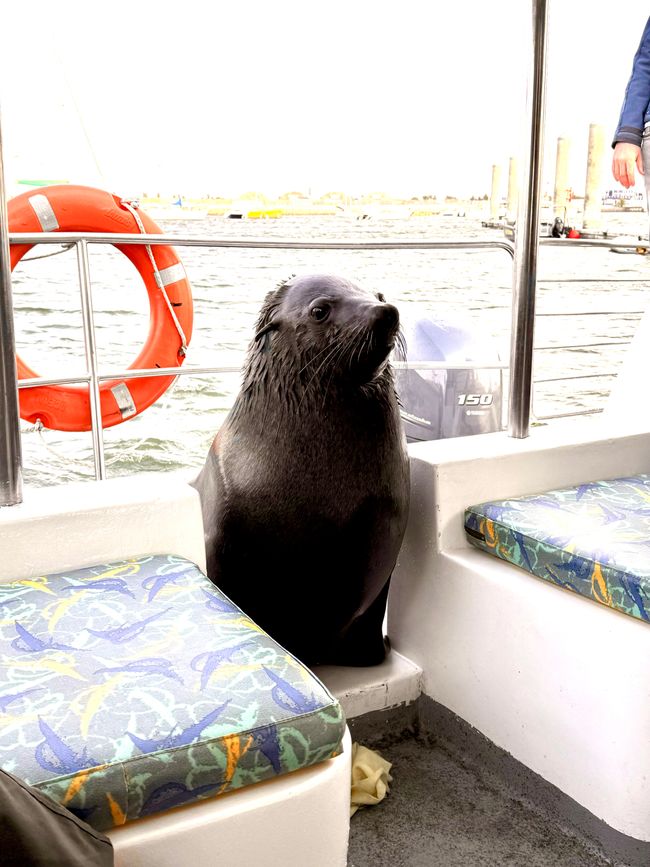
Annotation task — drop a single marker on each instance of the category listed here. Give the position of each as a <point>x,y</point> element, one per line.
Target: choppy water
<point>470,288</point>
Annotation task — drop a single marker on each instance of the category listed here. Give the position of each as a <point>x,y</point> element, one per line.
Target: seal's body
<point>305,489</point>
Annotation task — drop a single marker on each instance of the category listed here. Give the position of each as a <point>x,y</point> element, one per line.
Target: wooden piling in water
<point>494,192</point>
<point>591,217</point>
<point>561,191</point>
<point>513,190</point>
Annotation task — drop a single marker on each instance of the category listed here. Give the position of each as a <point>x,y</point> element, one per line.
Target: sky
<point>410,97</point>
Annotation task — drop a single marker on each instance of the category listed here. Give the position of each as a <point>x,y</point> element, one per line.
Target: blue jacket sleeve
<point>637,95</point>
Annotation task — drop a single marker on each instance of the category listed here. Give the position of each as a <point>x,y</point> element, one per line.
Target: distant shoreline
<point>362,208</point>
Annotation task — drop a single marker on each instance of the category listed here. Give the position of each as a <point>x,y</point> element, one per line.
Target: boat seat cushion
<point>130,688</point>
<point>593,539</point>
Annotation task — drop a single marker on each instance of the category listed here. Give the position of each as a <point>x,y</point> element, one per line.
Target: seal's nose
<point>386,316</point>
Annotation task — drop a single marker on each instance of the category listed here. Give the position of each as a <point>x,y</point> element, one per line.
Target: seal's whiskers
<point>318,369</point>
<point>313,359</point>
<point>342,347</point>
<point>400,346</point>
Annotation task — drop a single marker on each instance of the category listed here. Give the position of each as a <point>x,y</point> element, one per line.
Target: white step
<point>361,690</point>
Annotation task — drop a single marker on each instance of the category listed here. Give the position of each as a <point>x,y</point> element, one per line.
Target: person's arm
<point>629,132</point>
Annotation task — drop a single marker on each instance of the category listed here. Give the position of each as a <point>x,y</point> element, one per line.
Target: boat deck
<point>456,799</point>
<point>443,810</point>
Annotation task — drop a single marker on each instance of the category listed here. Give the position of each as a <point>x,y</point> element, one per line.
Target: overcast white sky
<point>406,96</point>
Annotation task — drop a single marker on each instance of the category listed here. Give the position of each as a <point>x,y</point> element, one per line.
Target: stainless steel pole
<point>11,470</point>
<point>527,237</point>
<point>91,360</point>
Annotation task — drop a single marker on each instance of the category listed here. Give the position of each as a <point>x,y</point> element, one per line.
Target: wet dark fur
<point>305,489</point>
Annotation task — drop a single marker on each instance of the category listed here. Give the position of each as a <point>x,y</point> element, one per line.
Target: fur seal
<point>305,489</point>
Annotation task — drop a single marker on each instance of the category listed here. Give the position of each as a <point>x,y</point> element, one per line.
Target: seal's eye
<point>320,312</point>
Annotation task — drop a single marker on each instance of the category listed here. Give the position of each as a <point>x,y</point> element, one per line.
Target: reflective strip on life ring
<point>85,209</point>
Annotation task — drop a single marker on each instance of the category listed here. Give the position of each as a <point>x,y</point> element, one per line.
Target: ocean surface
<point>591,297</point>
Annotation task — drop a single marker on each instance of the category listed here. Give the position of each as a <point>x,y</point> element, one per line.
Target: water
<point>470,288</point>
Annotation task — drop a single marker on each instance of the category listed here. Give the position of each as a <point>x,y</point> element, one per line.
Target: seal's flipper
<point>364,642</point>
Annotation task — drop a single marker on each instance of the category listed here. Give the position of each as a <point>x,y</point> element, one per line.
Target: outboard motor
<point>437,404</point>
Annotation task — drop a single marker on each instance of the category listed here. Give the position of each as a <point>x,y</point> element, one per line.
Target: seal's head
<point>328,329</point>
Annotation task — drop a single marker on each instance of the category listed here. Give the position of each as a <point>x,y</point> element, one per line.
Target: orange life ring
<point>85,209</point>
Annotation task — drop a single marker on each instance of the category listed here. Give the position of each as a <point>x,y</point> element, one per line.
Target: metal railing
<point>573,244</point>
<point>11,480</point>
<point>93,377</point>
<point>527,237</point>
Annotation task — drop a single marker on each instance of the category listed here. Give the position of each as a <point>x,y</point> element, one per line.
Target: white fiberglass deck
<point>536,669</point>
<point>554,679</point>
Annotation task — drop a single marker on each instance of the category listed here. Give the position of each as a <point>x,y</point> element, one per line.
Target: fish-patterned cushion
<point>593,539</point>
<point>130,688</point>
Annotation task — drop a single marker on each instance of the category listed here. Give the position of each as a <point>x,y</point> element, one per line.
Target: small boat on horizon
<point>174,211</point>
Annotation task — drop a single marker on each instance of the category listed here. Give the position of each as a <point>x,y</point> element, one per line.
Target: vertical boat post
<point>527,237</point>
<point>11,470</point>
<point>91,360</point>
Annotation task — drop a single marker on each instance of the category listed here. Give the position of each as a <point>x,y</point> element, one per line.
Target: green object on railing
<point>40,183</point>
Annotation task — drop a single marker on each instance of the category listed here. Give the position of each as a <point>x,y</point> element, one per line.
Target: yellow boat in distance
<point>265,214</point>
<point>252,210</point>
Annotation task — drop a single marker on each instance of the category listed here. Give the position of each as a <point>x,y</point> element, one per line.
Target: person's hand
<point>626,156</point>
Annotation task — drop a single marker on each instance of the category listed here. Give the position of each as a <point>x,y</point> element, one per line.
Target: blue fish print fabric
<point>130,688</point>
<point>593,539</point>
